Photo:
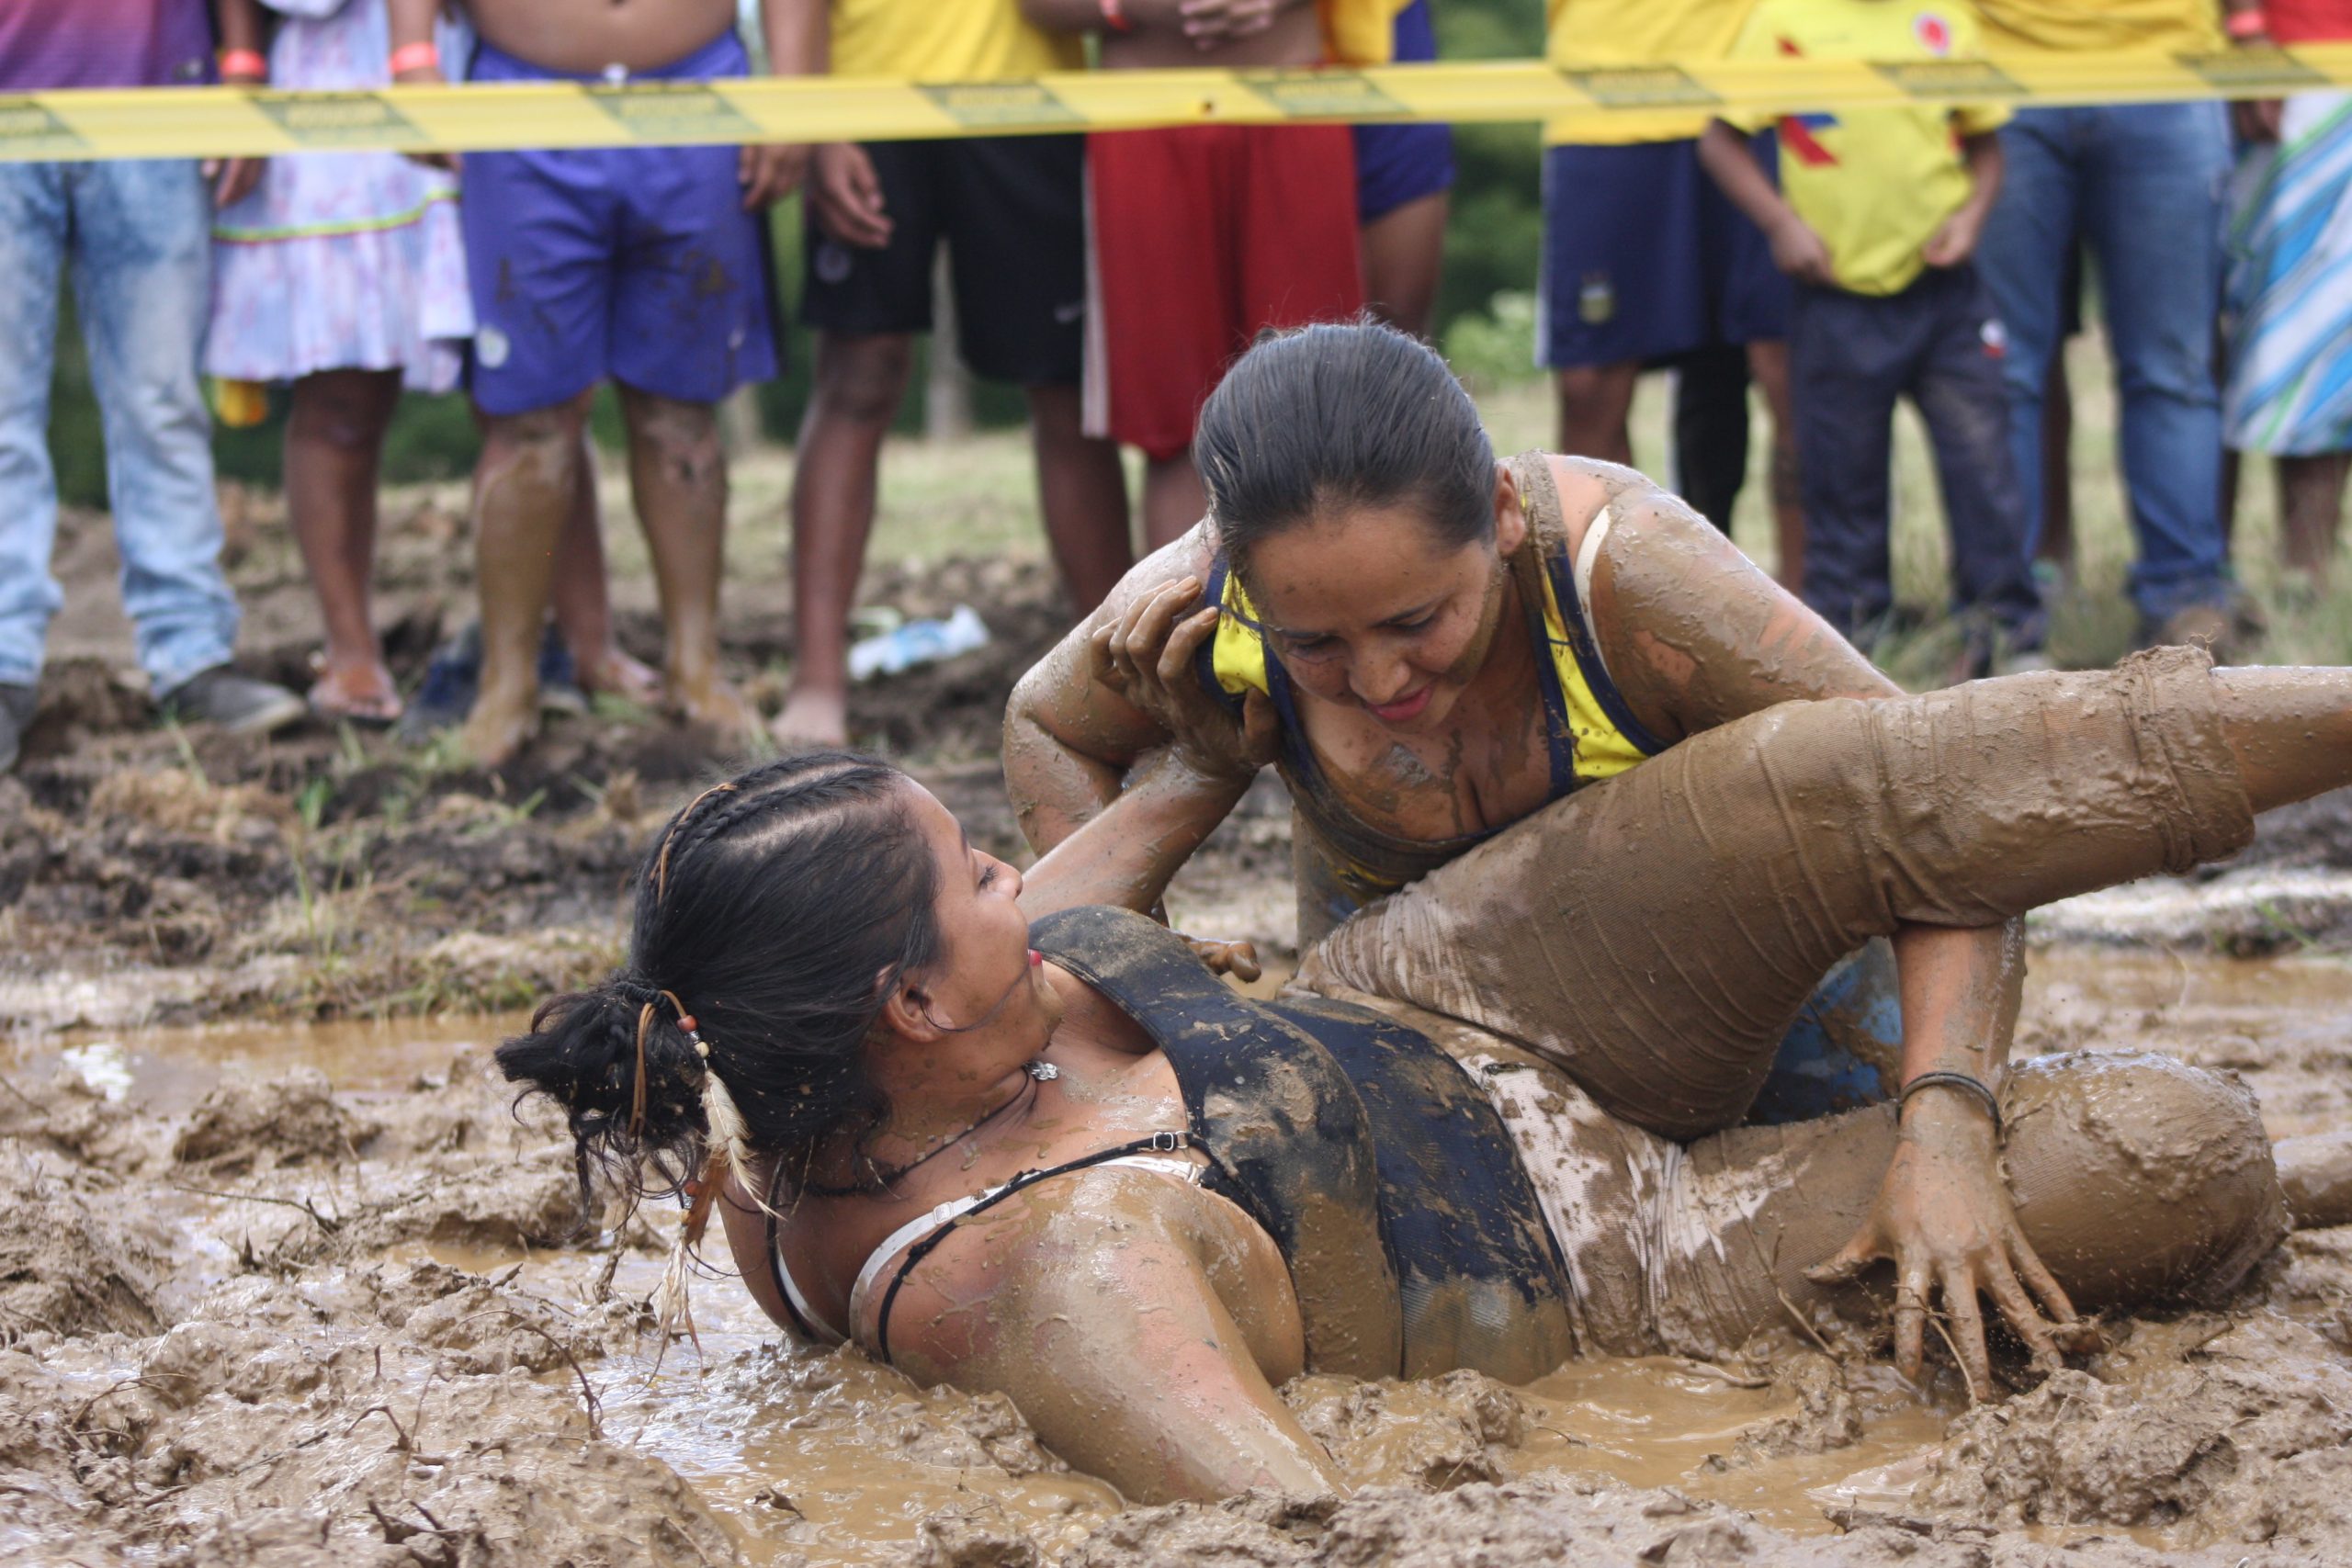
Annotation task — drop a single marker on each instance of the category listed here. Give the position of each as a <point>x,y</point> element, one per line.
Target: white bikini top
<point>940,1216</point>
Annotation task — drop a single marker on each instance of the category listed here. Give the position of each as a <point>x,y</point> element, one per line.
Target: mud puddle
<point>297,1296</point>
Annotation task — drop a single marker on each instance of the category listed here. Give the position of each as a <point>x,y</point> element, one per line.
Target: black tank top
<point>1352,1140</point>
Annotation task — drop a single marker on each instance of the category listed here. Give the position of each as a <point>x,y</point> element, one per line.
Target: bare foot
<point>359,692</point>
<point>812,718</point>
<point>500,724</point>
<point>712,701</point>
<point>615,673</point>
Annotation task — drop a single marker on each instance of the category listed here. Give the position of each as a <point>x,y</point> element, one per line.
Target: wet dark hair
<point>1342,414</point>
<point>776,910</point>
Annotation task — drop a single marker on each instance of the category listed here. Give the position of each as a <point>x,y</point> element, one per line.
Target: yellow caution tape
<point>187,122</point>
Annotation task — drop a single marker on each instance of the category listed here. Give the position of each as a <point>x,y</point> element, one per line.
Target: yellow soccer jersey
<point>1664,33</point>
<point>945,40</point>
<point>2131,25</point>
<point>1874,184</point>
<point>1360,32</point>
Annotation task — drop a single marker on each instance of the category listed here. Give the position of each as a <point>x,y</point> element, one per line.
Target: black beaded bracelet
<point>1975,1086</point>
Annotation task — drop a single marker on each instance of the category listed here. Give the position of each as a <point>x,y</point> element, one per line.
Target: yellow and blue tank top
<point>1591,733</point>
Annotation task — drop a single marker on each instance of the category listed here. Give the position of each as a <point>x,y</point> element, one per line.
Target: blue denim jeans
<point>1852,357</point>
<point>2141,182</point>
<point>137,237</point>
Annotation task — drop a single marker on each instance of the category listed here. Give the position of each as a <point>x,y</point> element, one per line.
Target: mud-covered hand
<point>1943,1217</point>
<point>1238,958</point>
<point>1147,656</point>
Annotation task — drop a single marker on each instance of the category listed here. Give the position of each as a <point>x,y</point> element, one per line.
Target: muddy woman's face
<point>1371,608</point>
<point>987,983</point>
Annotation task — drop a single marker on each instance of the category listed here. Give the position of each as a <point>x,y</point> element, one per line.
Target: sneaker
<point>16,704</point>
<point>238,704</point>
<point>454,675</point>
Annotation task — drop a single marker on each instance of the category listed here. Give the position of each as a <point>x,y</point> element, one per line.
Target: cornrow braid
<point>772,913</point>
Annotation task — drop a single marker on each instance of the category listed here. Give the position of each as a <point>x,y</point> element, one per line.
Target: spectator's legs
<point>1403,256</point>
<point>1848,361</point>
<point>1083,491</point>
<point>583,606</point>
<point>2152,210</point>
<point>142,282</point>
<point>526,484</point>
<point>33,225</point>
<point>1595,400</point>
<point>1958,389</point>
<point>1710,430</point>
<point>860,382</point>
<point>2311,510</point>
<point>2022,259</point>
<point>1768,364</point>
<point>677,471</point>
<point>1173,498</point>
<point>334,449</point>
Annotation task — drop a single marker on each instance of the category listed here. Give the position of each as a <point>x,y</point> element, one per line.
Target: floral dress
<point>339,260</point>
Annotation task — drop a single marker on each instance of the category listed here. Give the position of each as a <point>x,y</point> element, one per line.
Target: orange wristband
<point>1116,17</point>
<point>417,57</point>
<point>246,62</point>
<point>2245,26</point>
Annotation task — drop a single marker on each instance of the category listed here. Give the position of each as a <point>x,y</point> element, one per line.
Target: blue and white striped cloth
<point>2290,390</point>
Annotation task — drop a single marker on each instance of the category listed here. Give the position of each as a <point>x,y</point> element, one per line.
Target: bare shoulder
<point>1086,1232</point>
<point>1695,633</point>
<point>1588,487</point>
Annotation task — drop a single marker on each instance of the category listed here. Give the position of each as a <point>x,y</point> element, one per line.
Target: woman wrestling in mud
<point>1008,1133</point>
<point>1431,647</point>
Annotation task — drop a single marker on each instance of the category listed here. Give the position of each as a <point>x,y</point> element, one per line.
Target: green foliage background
<point>1483,316</point>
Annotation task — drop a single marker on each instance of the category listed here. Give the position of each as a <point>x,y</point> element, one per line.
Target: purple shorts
<point>638,263</point>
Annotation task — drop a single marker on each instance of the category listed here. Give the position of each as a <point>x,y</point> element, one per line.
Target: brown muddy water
<point>306,1295</point>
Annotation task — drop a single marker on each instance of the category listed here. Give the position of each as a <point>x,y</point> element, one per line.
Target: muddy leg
<point>583,607</point>
<point>2137,1179</point>
<point>335,448</point>
<point>1656,933</point>
<point>678,473</point>
<point>524,486</point>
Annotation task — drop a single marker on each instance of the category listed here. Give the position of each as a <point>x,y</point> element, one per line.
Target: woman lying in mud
<point>1008,1133</point>
<point>1431,646</point>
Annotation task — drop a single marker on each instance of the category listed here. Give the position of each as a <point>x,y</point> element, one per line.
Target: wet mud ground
<point>285,1280</point>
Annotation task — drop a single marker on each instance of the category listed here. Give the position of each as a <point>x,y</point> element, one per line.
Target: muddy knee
<point>2139,1177</point>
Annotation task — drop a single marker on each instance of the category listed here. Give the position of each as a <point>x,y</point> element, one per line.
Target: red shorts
<point>1202,235</point>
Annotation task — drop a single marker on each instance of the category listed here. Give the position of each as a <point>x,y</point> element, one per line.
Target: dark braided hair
<point>775,912</point>
<point>1338,415</point>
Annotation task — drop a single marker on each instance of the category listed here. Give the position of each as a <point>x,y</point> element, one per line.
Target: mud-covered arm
<point>1095,1315</point>
<point>1069,736</point>
<point>1695,635</point>
<point>1126,854</point>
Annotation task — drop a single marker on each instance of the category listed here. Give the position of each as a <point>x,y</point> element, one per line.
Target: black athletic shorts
<point>1012,210</point>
